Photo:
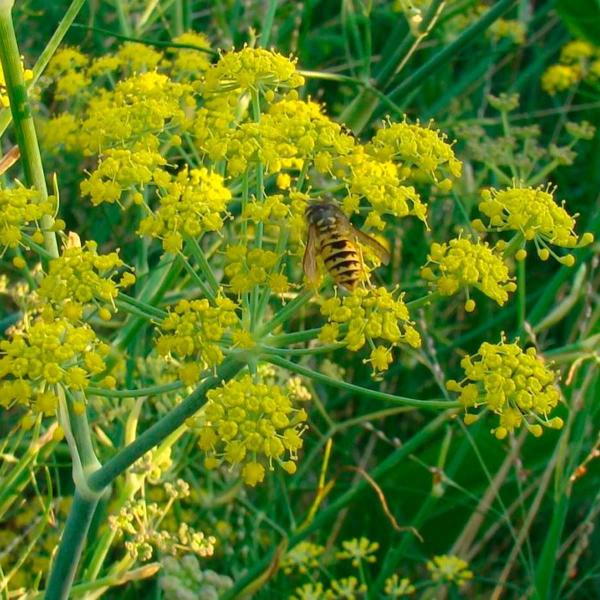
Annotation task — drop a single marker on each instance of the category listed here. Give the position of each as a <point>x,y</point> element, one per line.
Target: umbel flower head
<point>303,557</point>
<point>250,424</point>
<point>248,268</point>
<point>251,69</point>
<point>20,211</point>
<point>191,333</point>
<point>516,385</point>
<point>369,314</point>
<point>121,169</point>
<point>448,568</point>
<point>42,354</point>
<point>346,587</point>
<point>579,61</point>
<point>142,105</point>
<point>139,521</point>
<point>291,134</point>
<point>192,203</point>
<point>358,550</point>
<point>396,587</point>
<point>462,264</point>
<point>533,213</point>
<point>189,61</point>
<point>422,153</point>
<point>81,277</point>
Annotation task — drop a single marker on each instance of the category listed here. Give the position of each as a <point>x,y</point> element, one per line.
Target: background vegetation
<point>415,481</point>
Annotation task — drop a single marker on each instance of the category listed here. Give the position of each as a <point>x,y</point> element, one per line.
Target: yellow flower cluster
<point>192,331</point>
<point>67,69</point>
<point>81,278</point>
<point>369,314</point>
<point>291,133</point>
<point>139,522</point>
<point>379,183</point>
<point>518,386</point>
<point>20,207</point>
<point>247,268</point>
<point>192,203</point>
<point>137,58</point>
<point>461,263</point>
<point>358,550</point>
<point>50,351</point>
<point>302,558</point>
<point>309,591</point>
<point>511,29</point>
<point>120,169</point>
<point>422,153</point>
<point>347,587</point>
<point>377,171</point>
<point>251,69</point>
<point>448,568</point>
<point>188,62</point>
<point>395,587</point>
<point>579,61</point>
<point>248,423</point>
<point>143,104</point>
<point>534,213</point>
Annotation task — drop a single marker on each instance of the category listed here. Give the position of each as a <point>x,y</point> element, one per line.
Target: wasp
<point>332,237</point>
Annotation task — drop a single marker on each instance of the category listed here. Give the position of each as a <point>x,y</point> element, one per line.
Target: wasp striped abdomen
<point>340,256</point>
<point>332,237</point>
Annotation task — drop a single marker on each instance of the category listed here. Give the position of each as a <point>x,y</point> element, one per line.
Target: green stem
<point>141,308</point>
<point>316,376</point>
<point>22,117</point>
<point>47,53</point>
<point>153,390</point>
<point>515,243</point>
<point>285,339</point>
<point>260,192</point>
<point>147,42</point>
<point>36,247</point>
<point>197,252</point>
<point>71,546</point>
<point>433,13</point>
<point>286,313</point>
<point>424,301</point>
<point>521,296</point>
<point>267,24</point>
<point>162,428</point>
<point>301,351</point>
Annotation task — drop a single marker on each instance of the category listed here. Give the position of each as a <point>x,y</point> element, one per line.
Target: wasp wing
<point>380,251</point>
<point>309,262</point>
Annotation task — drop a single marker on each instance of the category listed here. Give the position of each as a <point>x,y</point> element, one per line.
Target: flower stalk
<point>23,118</point>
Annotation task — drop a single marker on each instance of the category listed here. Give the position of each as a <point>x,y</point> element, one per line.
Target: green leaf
<point>582,18</point>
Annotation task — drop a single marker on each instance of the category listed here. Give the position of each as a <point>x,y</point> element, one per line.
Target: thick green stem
<point>22,117</point>
<point>71,546</point>
<point>47,53</point>
<point>161,429</point>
